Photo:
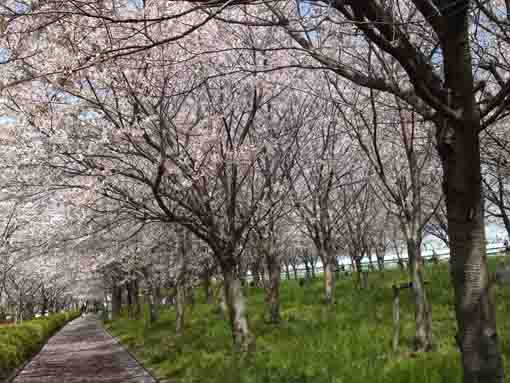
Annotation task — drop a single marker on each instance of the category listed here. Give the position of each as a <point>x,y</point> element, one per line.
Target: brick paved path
<point>82,352</point>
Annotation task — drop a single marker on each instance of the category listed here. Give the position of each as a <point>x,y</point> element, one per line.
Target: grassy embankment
<point>348,342</point>
<point>18,343</point>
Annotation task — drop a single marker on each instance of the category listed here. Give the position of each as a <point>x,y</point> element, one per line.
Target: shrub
<point>19,343</point>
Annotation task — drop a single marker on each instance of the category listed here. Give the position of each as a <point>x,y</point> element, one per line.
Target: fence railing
<point>389,263</point>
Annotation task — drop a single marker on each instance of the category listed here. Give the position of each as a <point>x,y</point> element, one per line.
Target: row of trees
<point>338,123</point>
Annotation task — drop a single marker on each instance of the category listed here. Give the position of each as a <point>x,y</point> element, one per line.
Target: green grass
<point>348,342</point>
<point>18,343</point>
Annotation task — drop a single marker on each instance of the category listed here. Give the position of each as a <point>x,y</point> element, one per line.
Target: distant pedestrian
<point>507,247</point>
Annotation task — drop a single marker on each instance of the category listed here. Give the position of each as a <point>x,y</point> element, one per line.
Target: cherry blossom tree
<point>426,53</point>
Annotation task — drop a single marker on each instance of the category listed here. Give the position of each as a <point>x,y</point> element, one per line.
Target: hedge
<point>18,343</point>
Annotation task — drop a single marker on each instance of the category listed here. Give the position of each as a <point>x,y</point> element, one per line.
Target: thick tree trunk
<point>423,317</point>
<point>477,333</point>
<point>236,303</point>
<point>459,148</point>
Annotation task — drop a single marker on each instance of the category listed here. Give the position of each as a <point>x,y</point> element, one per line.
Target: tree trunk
<point>136,299</point>
<point>180,305</point>
<point>380,259</point>
<point>294,271</point>
<point>236,303</point>
<point>273,287</point>
<point>44,307</point>
<point>151,315</point>
<point>396,318</point>
<point>329,281</point>
<point>336,265</point>
<point>129,299</point>
<point>423,318</point>
<point>459,148</point>
<point>184,243</point>
<point>501,204</point>
<point>223,302</point>
<point>255,275</point>
<point>116,301</point>
<point>359,270</point>
<point>364,280</point>
<point>287,271</point>
<point>307,270</point>
<point>207,287</point>
<point>371,262</point>
<point>157,294</point>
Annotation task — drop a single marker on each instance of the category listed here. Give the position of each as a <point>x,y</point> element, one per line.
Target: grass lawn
<point>348,342</point>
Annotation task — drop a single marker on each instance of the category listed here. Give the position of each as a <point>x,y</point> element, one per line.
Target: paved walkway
<point>82,352</point>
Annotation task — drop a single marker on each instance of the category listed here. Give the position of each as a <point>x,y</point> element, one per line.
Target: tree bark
<point>136,299</point>
<point>329,281</point>
<point>359,270</point>
<point>151,315</point>
<point>287,271</point>
<point>459,148</point>
<point>396,318</point>
<point>157,294</point>
<point>307,270</point>
<point>236,303</point>
<point>380,259</point>
<point>44,306</point>
<point>423,317</point>
<point>206,281</point>
<point>223,302</point>
<point>294,271</point>
<point>129,299</point>
<point>256,275</point>
<point>184,243</point>
<point>180,305</point>
<point>116,301</point>
<point>273,287</point>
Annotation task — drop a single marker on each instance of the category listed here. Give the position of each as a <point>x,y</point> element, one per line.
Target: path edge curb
<point>117,340</point>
